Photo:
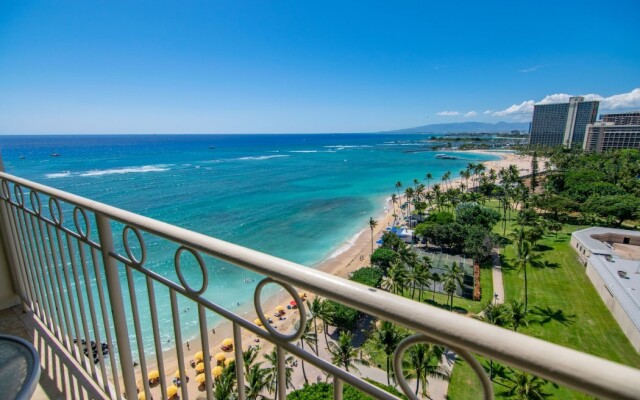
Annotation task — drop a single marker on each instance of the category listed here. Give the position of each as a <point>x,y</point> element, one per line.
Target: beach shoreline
<point>356,255</point>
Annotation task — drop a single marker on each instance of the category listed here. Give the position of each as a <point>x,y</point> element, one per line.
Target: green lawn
<point>565,309</point>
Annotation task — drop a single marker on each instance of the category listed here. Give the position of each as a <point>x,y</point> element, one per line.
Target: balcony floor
<point>60,376</point>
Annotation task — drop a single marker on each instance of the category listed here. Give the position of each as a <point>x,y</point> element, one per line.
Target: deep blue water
<point>299,197</point>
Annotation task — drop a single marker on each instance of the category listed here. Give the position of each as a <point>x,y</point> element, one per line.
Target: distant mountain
<point>467,127</point>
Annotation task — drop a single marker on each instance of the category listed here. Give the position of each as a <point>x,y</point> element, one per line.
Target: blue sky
<point>291,66</point>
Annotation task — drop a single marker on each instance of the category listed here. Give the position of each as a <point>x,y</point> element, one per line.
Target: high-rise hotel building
<point>562,123</point>
<point>613,132</point>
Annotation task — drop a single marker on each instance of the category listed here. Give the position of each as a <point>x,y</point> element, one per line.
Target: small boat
<point>446,157</point>
<point>22,157</point>
<point>212,147</point>
<point>56,155</point>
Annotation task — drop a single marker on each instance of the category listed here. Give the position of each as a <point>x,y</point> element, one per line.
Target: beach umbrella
<point>220,357</point>
<point>217,371</point>
<point>302,294</point>
<point>227,342</point>
<point>172,391</point>
<point>293,303</point>
<point>177,374</point>
<point>279,308</point>
<point>228,362</point>
<point>154,374</point>
<point>200,367</point>
<point>257,322</point>
<point>201,378</point>
<point>198,356</point>
<point>142,396</point>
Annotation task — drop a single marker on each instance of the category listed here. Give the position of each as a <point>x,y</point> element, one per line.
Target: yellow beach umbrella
<point>302,294</point>
<point>154,374</point>
<point>172,391</point>
<point>279,308</point>
<point>200,367</point>
<point>228,362</point>
<point>177,374</point>
<point>142,396</point>
<point>227,342</point>
<point>198,356</point>
<point>217,371</point>
<point>200,378</point>
<point>220,357</point>
<point>257,322</point>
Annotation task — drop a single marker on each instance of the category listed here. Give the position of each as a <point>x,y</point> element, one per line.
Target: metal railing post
<point>117,305</point>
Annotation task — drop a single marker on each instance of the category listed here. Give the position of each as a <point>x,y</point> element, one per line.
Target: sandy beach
<point>354,257</point>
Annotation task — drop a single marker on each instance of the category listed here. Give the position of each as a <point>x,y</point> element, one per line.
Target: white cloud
<point>531,69</point>
<point>470,114</point>
<point>516,110</point>
<point>624,100</point>
<point>448,113</point>
<point>616,101</point>
<point>487,112</point>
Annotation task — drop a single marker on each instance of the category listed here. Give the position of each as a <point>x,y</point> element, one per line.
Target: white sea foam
<point>347,146</point>
<point>127,170</point>
<point>261,157</point>
<point>349,244</point>
<point>303,151</point>
<point>58,175</point>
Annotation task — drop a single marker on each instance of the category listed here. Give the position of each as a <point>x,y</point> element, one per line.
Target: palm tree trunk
<point>315,328</point>
<point>525,287</point>
<point>304,373</point>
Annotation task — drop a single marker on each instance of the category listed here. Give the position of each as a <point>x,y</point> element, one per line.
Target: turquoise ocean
<point>301,197</point>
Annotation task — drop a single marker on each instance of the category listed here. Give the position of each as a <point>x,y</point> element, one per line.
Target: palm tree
<point>394,200</point>
<point>225,383</point>
<point>452,279</point>
<point>272,372</point>
<point>249,357</point>
<point>343,354</point>
<point>445,177</point>
<point>424,361</point>
<point>256,382</point>
<point>398,186</point>
<point>525,386</point>
<point>524,257</point>
<point>408,193</point>
<point>372,224</point>
<point>428,177</point>
<point>307,337</point>
<point>387,338</point>
<point>315,309</point>
<point>397,277</point>
<point>517,315</point>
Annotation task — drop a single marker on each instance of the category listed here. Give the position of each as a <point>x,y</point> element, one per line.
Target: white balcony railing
<point>69,257</point>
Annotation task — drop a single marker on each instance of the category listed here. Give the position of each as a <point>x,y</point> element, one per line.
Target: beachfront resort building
<point>562,123</point>
<point>613,132</point>
<point>612,261</point>
<point>76,274</point>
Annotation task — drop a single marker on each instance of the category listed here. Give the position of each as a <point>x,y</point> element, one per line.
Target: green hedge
<point>370,276</point>
<point>324,391</point>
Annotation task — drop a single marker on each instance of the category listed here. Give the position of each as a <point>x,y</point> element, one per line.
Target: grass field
<point>565,309</point>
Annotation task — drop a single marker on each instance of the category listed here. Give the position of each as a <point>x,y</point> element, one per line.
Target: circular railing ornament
<point>17,190</point>
<point>36,204</point>
<point>5,192</point>
<point>56,211</point>
<point>84,233</point>
<point>258,306</point>
<point>201,264</point>
<point>143,250</point>
<point>422,338</point>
